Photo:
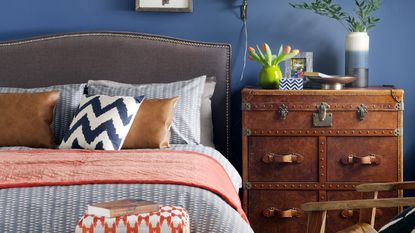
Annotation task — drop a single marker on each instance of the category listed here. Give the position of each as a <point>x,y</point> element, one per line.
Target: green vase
<point>269,77</point>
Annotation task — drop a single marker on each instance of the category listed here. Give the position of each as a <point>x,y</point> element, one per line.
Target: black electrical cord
<point>244,10</point>
<point>244,14</point>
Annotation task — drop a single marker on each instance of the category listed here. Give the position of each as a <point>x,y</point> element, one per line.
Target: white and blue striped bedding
<point>58,208</point>
<point>186,121</point>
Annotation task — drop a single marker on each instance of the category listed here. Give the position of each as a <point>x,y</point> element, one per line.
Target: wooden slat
<point>314,222</point>
<point>373,187</point>
<point>358,204</point>
<point>373,217</point>
<point>323,222</point>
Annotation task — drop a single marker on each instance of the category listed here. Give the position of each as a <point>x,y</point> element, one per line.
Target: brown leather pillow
<point>151,126</point>
<point>26,118</point>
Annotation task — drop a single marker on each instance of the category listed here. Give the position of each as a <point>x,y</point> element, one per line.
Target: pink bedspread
<point>27,168</point>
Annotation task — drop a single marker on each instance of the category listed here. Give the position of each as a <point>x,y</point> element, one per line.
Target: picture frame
<point>296,66</point>
<point>164,5</point>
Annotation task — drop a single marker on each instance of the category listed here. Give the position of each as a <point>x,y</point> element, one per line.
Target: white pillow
<point>101,123</point>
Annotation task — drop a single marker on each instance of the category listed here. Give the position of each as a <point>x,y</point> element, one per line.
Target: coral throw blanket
<point>28,168</point>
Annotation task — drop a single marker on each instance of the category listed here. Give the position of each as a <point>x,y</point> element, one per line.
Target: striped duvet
<point>58,208</point>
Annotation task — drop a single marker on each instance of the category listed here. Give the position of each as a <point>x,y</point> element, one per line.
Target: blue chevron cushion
<point>186,121</point>
<point>101,123</point>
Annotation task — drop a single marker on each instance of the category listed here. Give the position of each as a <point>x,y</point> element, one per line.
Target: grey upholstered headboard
<point>123,57</point>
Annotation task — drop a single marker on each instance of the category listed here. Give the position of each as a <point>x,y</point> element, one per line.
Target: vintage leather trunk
<point>317,145</point>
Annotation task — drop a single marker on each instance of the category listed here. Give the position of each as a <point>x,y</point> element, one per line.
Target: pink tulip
<point>264,47</point>
<point>252,50</point>
<point>287,49</point>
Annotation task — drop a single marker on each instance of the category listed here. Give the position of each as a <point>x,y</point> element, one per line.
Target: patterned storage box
<point>169,219</point>
<point>291,83</point>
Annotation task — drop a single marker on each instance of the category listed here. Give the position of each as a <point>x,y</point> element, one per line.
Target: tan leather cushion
<point>151,127</point>
<point>25,119</point>
<point>359,228</point>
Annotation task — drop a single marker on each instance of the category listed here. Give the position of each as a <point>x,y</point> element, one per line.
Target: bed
<point>74,58</point>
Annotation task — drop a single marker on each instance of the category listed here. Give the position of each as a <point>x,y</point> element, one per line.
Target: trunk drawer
<point>283,159</point>
<point>362,159</point>
<point>282,202</point>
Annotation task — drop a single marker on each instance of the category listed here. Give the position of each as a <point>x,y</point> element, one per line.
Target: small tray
<point>333,83</point>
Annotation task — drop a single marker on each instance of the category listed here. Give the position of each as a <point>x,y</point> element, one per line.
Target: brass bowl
<point>333,83</point>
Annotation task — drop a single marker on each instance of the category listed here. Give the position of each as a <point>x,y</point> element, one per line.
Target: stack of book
<point>123,207</point>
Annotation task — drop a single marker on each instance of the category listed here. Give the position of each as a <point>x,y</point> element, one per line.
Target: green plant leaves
<point>269,59</point>
<point>261,56</point>
<point>359,23</point>
<point>268,54</point>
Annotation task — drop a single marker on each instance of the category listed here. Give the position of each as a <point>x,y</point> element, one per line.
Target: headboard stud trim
<point>25,44</point>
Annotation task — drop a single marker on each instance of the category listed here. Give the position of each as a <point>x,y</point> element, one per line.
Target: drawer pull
<point>349,214</point>
<point>290,158</point>
<point>362,160</point>
<point>290,213</point>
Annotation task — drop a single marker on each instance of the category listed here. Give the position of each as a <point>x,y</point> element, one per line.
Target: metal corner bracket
<point>398,132</point>
<point>399,106</point>
<point>247,185</point>
<point>246,106</point>
<point>246,132</point>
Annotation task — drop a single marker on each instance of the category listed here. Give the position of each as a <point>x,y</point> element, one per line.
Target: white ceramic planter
<point>357,57</point>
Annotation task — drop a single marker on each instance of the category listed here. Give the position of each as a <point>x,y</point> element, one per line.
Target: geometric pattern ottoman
<point>169,219</point>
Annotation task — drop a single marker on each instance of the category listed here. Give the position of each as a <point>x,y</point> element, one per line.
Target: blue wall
<point>391,55</point>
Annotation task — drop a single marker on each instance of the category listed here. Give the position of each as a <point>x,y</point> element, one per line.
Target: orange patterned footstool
<point>169,219</point>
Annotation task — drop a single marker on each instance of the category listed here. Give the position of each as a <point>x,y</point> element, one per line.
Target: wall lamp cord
<point>244,14</point>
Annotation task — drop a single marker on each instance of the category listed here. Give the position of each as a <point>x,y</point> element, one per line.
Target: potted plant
<point>357,40</point>
<point>270,74</point>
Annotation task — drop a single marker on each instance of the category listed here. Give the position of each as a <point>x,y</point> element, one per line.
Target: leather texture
<point>322,175</point>
<point>382,147</point>
<point>338,222</point>
<point>151,126</point>
<point>305,146</point>
<point>26,119</point>
<point>122,57</point>
<point>264,199</point>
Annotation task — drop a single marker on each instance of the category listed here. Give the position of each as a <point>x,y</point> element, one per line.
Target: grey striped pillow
<point>70,96</point>
<point>186,121</point>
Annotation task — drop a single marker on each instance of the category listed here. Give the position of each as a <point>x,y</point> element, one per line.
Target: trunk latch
<point>322,118</point>
<point>361,112</point>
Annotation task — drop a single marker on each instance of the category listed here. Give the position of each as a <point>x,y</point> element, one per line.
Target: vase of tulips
<point>270,74</point>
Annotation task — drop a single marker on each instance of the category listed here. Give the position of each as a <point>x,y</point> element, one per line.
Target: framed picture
<point>164,5</point>
<point>296,66</point>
